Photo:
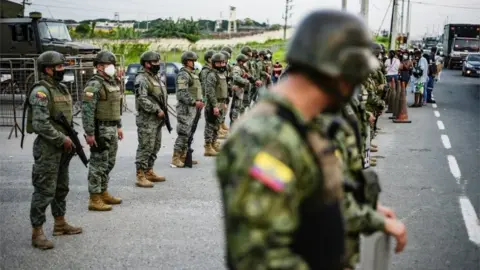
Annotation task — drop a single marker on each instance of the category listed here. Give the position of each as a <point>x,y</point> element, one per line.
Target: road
<point>178,224</point>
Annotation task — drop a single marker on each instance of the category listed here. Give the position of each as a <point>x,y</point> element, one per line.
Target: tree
<point>82,29</point>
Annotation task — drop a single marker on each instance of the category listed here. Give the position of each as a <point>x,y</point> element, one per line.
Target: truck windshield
<point>470,45</point>
<point>56,31</point>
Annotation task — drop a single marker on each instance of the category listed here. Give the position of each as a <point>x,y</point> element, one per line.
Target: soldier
<point>216,91</point>
<point>103,128</point>
<point>207,67</point>
<point>240,83</point>
<point>269,66</point>
<point>223,130</point>
<point>281,182</point>
<point>150,98</point>
<point>375,106</point>
<point>189,97</point>
<point>52,149</point>
<point>251,68</point>
<point>262,67</point>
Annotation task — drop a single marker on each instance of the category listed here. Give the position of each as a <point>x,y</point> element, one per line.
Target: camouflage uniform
<point>101,118</point>
<point>251,68</point>
<point>149,96</point>
<point>240,84</point>
<point>223,131</point>
<point>50,180</point>
<point>188,92</point>
<point>374,103</point>
<point>216,91</point>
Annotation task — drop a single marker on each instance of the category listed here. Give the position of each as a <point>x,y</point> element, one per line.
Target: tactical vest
<point>221,90</point>
<point>109,103</point>
<point>154,88</point>
<point>58,101</point>
<point>195,88</point>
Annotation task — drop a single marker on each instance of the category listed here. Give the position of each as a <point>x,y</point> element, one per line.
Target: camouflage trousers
<point>237,105</point>
<point>149,131</point>
<point>246,100</point>
<point>212,124</point>
<point>102,158</point>
<point>253,95</point>
<point>49,179</point>
<point>185,116</point>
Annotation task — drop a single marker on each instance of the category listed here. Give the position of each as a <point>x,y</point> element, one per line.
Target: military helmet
<point>246,50</point>
<point>262,52</point>
<point>254,52</point>
<point>105,57</point>
<point>219,57</point>
<point>149,56</point>
<point>50,59</point>
<point>227,49</point>
<point>242,57</point>
<point>346,55</point>
<point>268,51</point>
<point>189,55</point>
<point>227,54</point>
<point>208,55</point>
<point>376,48</point>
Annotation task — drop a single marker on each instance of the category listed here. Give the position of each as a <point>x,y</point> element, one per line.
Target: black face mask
<point>58,75</point>
<point>154,68</point>
<point>221,69</point>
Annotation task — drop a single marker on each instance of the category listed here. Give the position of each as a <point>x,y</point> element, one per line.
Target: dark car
<point>171,70</point>
<point>132,70</point>
<point>471,66</point>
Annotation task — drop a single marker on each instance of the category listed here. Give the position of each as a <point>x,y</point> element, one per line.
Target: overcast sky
<point>427,15</point>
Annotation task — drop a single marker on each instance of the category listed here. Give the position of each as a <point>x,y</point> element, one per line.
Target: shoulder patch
<point>41,95</point>
<point>182,82</point>
<point>271,171</point>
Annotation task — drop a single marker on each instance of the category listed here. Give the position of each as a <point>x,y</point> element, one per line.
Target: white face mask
<point>405,57</point>
<point>110,70</point>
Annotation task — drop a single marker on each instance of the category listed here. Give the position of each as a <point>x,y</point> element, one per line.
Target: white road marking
<point>440,125</point>
<point>434,105</point>
<point>446,141</point>
<point>454,169</point>
<point>471,220</point>
<point>437,114</point>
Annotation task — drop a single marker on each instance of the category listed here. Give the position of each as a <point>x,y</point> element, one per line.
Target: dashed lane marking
<point>440,125</point>
<point>471,220</point>
<point>454,169</point>
<point>437,113</point>
<point>446,141</point>
<point>434,105</point>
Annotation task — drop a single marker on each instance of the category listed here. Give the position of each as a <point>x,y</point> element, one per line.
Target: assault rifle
<point>163,106</point>
<point>63,122</point>
<point>188,159</point>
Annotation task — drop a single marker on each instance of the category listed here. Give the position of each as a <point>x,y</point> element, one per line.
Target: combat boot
<point>373,149</point>
<point>224,126</point>
<point>153,177</point>
<point>39,240</point>
<point>109,199</point>
<point>221,135</point>
<point>142,181</point>
<point>373,145</point>
<point>373,163</point>
<point>177,160</point>
<point>216,146</point>
<point>61,227</point>
<point>184,156</point>
<point>374,159</point>
<point>209,151</point>
<point>96,203</point>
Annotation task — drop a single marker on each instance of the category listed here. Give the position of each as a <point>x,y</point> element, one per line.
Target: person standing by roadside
<point>392,65</point>
<point>277,70</point>
<point>405,70</point>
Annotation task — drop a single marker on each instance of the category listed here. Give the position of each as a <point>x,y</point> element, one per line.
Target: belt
<point>107,123</point>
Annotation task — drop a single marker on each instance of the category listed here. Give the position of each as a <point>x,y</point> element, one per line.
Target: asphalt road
<point>178,224</point>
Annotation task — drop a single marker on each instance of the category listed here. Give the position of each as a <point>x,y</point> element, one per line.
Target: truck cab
<point>459,41</point>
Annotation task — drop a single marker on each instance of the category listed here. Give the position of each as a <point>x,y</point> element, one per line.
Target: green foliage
<point>83,29</point>
<point>130,51</point>
<point>168,28</point>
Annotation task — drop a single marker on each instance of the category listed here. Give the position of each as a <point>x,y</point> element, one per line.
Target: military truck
<point>460,40</point>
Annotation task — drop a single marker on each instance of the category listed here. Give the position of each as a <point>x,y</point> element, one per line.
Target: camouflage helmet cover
<point>189,55</point>
<point>262,53</point>
<point>219,57</point>
<point>149,56</point>
<point>227,54</point>
<point>376,48</point>
<point>50,59</point>
<point>347,54</point>
<point>242,57</point>
<point>246,50</point>
<point>208,55</point>
<point>105,57</point>
<point>227,49</point>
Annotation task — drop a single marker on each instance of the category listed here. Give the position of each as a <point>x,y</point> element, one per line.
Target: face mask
<point>405,57</point>
<point>268,56</point>
<point>58,75</point>
<point>110,70</point>
<point>221,69</point>
<point>154,68</point>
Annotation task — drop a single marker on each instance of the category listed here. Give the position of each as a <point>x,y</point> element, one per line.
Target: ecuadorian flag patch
<point>271,171</point>
<point>41,95</point>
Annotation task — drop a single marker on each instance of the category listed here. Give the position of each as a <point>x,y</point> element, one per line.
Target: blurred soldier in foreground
<point>103,127</point>
<point>216,91</point>
<point>189,97</point>
<point>52,149</point>
<point>281,182</point>
<point>151,103</point>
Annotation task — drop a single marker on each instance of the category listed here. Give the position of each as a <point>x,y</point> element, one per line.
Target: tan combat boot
<point>221,135</point>
<point>109,199</point>
<point>224,126</point>
<point>142,181</point>
<point>209,151</point>
<point>153,177</point>
<point>39,240</point>
<point>373,145</point>
<point>177,160</point>
<point>61,227</point>
<point>373,149</point>
<point>96,203</point>
<point>373,163</point>
<point>184,156</point>
<point>216,146</point>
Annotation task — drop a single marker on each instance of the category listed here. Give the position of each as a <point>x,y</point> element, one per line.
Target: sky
<point>427,16</point>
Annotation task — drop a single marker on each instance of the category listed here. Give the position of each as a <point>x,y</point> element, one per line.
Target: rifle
<point>163,106</point>
<point>63,122</point>
<point>188,159</point>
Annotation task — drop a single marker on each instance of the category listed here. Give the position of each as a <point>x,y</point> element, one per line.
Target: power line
<point>385,16</point>
<point>449,6</point>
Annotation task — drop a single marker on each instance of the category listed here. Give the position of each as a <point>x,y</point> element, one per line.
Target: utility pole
<point>409,8</point>
<point>364,10</point>
<point>393,26</point>
<point>287,15</point>
<point>24,3</point>
<point>402,17</point>
<point>344,5</point>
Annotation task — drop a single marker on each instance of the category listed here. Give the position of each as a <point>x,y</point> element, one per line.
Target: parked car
<point>471,66</point>
<point>132,70</point>
<point>171,71</point>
